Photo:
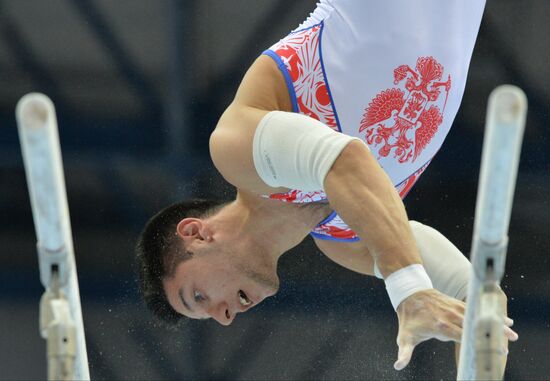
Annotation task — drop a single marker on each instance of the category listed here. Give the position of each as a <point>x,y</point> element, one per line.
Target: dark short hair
<point>159,250</point>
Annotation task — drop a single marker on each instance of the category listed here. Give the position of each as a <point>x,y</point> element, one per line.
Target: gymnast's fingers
<point>510,334</point>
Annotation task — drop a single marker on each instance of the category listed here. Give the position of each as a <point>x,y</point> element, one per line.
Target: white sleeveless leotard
<point>391,72</point>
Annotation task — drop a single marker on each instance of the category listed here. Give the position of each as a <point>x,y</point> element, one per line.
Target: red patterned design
<point>335,228</point>
<point>393,119</point>
<point>300,53</point>
<point>404,188</point>
<point>299,197</point>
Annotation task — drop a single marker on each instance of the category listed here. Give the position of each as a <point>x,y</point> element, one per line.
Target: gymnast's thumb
<point>404,355</point>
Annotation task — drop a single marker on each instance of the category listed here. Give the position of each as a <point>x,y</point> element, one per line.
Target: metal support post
<point>482,352</point>
<point>60,312</point>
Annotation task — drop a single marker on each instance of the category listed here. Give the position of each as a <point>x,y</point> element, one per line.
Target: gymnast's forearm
<point>363,195</point>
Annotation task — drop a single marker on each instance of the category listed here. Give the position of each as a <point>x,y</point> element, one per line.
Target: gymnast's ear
<point>191,228</point>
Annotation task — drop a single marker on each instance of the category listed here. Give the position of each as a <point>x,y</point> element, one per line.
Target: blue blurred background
<point>138,87</point>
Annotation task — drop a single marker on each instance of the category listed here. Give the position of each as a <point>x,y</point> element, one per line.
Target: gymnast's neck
<point>277,226</point>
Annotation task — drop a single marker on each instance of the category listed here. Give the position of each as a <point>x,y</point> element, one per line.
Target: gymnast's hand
<point>430,314</point>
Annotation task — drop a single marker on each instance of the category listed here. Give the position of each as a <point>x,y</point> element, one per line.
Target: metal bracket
<point>50,259</point>
<point>490,259</point>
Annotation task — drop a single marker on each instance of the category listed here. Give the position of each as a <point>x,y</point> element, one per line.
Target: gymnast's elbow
<point>220,140</point>
<point>354,158</point>
<point>231,150</point>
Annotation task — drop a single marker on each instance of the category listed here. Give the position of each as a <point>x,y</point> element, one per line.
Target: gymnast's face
<point>219,283</point>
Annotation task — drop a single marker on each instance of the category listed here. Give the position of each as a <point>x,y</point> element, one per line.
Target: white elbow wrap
<point>295,151</point>
<point>448,269</point>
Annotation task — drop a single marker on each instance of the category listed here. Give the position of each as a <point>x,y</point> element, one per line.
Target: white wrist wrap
<point>406,281</point>
<point>295,151</point>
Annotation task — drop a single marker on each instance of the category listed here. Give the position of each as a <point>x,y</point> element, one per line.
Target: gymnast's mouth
<point>243,298</point>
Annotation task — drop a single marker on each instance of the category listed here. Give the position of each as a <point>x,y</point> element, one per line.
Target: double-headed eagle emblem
<point>404,124</point>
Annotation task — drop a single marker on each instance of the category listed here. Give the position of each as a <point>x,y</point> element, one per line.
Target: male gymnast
<point>328,131</point>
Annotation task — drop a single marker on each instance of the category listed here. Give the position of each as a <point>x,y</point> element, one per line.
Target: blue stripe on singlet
<point>325,76</point>
<point>288,80</point>
<point>305,28</point>
<point>328,219</point>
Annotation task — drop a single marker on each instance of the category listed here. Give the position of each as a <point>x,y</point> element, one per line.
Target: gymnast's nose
<point>221,312</point>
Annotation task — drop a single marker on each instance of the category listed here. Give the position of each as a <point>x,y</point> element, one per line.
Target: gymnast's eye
<point>198,296</point>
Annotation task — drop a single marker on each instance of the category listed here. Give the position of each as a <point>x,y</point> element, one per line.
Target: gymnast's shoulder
<point>262,90</point>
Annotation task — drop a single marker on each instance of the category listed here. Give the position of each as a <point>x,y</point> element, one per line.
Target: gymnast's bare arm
<point>354,256</point>
<point>357,188</point>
